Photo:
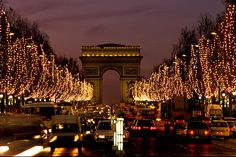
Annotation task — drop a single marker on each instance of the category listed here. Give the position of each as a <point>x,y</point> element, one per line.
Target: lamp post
<point>1,104</point>
<point>223,103</point>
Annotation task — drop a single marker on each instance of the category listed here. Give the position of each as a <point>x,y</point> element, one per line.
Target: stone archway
<point>125,60</point>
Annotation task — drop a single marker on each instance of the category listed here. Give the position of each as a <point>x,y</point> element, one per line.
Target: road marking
<point>3,149</point>
<point>32,151</point>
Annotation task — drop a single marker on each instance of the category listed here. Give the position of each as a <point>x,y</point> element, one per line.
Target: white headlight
<point>37,137</point>
<point>101,136</point>
<point>53,139</point>
<point>76,138</point>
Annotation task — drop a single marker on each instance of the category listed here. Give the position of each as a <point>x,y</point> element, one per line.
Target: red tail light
<point>136,128</point>
<point>153,128</point>
<point>233,128</point>
<point>179,121</point>
<point>171,128</point>
<point>206,132</point>
<point>191,132</point>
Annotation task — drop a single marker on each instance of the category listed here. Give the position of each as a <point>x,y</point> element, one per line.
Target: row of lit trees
<point>211,67</point>
<point>27,70</point>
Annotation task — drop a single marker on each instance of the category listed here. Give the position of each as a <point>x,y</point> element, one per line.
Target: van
<point>214,111</point>
<point>66,132</point>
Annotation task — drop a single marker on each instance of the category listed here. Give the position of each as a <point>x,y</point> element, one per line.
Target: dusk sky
<point>155,25</point>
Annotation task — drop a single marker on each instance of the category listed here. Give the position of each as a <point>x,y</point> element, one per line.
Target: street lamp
<point>1,104</point>
<point>1,96</point>
<point>223,94</point>
<point>223,103</point>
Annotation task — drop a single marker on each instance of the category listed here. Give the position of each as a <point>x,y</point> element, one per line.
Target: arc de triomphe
<point>125,60</point>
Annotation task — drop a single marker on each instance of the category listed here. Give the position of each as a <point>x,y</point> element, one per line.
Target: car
<point>143,127</point>
<point>66,132</point>
<point>197,130</point>
<point>232,127</point>
<point>220,129</point>
<point>87,132</point>
<point>179,131</point>
<point>104,131</point>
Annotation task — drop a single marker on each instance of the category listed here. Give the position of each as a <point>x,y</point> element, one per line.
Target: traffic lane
<point>155,147</point>
<point>17,147</point>
<point>152,146</point>
<point>203,149</point>
<point>91,150</point>
<point>19,126</point>
<point>230,144</point>
<point>137,147</point>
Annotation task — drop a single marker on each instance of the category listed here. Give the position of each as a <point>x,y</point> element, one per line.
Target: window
<point>104,126</point>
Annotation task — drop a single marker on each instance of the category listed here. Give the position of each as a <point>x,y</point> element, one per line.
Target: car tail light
<point>171,128</point>
<point>153,128</point>
<point>206,121</point>
<point>191,132</point>
<point>206,132</point>
<point>136,128</point>
<point>179,121</point>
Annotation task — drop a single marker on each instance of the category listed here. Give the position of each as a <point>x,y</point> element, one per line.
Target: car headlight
<point>87,132</point>
<point>45,131</point>
<point>76,138</point>
<point>101,136</point>
<point>53,139</point>
<point>37,137</point>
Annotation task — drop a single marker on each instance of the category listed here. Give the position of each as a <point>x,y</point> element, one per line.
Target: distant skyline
<point>155,25</point>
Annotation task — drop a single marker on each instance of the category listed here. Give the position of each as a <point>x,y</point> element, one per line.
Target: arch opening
<point>111,87</point>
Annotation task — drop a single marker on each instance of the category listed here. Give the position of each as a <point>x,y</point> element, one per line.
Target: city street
<point>138,147</point>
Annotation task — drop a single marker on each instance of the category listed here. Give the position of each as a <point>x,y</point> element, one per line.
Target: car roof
<point>219,121</point>
<point>105,120</point>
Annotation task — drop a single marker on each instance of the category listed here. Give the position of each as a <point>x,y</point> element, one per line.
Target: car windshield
<point>104,126</point>
<point>219,124</point>
<point>65,128</point>
<point>197,125</point>
<point>144,123</point>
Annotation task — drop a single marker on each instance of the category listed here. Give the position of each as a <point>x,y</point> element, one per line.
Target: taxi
<point>220,129</point>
